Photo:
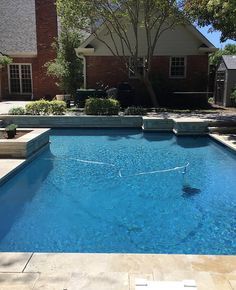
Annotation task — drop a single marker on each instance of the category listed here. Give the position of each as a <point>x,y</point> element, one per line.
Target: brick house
<point>27,30</point>
<point>180,61</point>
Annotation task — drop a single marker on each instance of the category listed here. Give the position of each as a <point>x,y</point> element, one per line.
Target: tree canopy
<point>221,14</point>
<point>118,16</point>
<point>66,67</point>
<point>215,58</point>
<point>4,60</point>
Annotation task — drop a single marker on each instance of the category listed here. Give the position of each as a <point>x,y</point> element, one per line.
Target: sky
<point>214,37</point>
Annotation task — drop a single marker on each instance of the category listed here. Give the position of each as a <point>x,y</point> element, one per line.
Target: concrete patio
<point>21,271</point>
<point>7,105</point>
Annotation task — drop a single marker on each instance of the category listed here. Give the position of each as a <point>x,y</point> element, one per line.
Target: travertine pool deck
<point>21,271</point>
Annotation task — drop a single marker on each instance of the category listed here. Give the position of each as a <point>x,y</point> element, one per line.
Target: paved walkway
<point>21,271</point>
<point>7,105</point>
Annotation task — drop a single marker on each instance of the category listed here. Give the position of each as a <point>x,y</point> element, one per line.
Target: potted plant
<point>11,131</point>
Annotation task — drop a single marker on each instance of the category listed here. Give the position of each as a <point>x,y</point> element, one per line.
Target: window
<point>20,78</point>
<point>177,67</point>
<point>220,76</point>
<point>140,67</point>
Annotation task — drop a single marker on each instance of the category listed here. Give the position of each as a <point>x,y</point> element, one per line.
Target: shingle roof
<point>230,61</point>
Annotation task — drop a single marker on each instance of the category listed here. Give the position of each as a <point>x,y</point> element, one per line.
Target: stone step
<point>157,124</point>
<point>222,129</point>
<point>229,123</point>
<point>187,126</point>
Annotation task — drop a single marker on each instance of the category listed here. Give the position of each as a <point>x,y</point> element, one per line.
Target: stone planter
<point>24,146</point>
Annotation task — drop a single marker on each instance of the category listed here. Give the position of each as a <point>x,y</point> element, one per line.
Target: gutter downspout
<point>84,71</point>
<point>84,67</point>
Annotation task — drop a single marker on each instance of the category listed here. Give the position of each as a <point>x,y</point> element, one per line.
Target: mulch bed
<point>3,134</point>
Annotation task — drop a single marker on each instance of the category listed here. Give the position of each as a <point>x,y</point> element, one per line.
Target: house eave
<point>84,51</point>
<point>208,49</point>
<point>26,54</point>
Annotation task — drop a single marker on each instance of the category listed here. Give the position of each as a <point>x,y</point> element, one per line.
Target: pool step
<point>223,123</point>
<point>157,124</point>
<point>187,126</point>
<point>222,130</point>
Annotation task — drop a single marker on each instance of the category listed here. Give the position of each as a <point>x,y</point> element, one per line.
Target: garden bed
<point>19,133</point>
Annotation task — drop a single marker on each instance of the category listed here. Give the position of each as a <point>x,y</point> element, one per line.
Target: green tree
<point>4,61</point>
<point>66,68</point>
<point>215,58</point>
<point>221,14</point>
<point>118,17</point>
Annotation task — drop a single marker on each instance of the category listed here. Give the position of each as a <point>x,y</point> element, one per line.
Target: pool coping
<point>13,166</point>
<point>224,139</point>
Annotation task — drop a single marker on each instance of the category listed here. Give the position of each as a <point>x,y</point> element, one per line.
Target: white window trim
<point>134,76</point>
<point>9,78</point>
<point>185,67</point>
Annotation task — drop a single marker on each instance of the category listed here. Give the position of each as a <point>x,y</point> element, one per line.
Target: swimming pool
<point>122,191</point>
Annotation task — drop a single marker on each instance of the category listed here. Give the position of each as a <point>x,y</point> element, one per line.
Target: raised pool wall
<point>180,126</point>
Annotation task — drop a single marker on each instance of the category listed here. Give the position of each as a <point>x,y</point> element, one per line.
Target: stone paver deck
<point>112,271</point>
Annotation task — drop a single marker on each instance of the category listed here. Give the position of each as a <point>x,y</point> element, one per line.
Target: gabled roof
<point>207,46</point>
<point>230,61</point>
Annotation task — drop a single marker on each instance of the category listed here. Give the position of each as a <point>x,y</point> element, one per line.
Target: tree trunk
<point>151,92</point>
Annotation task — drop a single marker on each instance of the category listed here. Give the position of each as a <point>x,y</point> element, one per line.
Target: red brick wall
<point>109,70</point>
<point>46,31</point>
<point>46,28</point>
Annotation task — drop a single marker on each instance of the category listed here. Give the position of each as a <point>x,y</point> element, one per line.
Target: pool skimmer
<point>142,284</point>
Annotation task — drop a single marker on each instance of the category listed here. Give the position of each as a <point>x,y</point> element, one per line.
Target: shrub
<point>16,111</point>
<point>40,107</point>
<point>135,111</point>
<point>233,97</point>
<point>11,131</point>
<point>108,106</point>
<point>57,107</point>
<point>11,127</point>
<point>43,107</point>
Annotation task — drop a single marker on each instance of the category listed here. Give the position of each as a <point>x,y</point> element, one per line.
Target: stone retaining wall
<point>73,121</point>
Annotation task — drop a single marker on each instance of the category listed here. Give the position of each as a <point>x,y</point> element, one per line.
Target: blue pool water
<point>122,191</point>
